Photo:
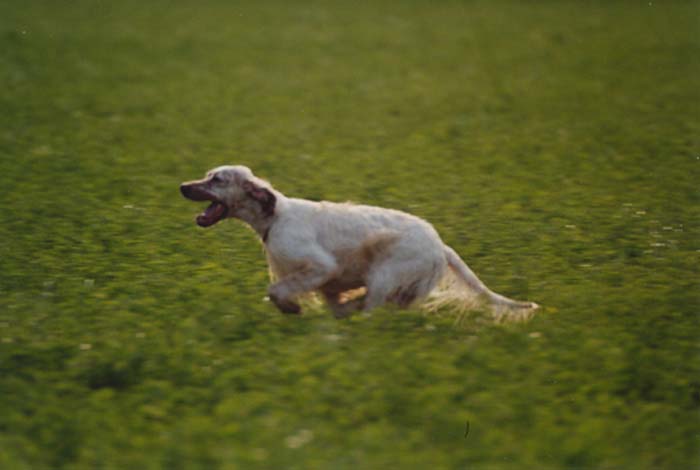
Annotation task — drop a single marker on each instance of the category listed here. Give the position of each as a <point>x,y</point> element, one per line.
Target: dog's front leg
<point>284,305</point>
<point>313,273</point>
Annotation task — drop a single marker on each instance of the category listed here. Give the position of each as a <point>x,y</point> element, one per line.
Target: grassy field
<point>554,145</point>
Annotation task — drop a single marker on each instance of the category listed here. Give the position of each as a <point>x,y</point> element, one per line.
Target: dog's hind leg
<point>401,282</point>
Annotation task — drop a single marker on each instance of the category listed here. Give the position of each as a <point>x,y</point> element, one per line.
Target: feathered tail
<point>451,291</point>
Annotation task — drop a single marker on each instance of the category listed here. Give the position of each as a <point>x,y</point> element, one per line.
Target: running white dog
<point>384,254</point>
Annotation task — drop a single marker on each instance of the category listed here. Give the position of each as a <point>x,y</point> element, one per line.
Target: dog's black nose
<point>186,190</point>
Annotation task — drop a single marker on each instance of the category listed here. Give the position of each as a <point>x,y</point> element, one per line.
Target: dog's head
<point>233,192</point>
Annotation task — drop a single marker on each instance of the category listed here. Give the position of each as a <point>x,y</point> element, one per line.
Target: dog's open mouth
<point>212,214</point>
<point>216,211</point>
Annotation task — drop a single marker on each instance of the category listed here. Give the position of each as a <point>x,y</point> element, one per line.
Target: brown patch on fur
<point>262,196</point>
<point>377,244</point>
<point>404,297</point>
<point>350,284</point>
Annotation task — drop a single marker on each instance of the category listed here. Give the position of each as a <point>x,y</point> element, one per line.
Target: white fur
<point>337,248</point>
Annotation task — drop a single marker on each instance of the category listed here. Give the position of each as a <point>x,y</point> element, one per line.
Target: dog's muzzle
<point>195,192</point>
<point>216,211</point>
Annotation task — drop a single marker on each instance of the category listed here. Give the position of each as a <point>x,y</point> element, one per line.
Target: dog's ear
<point>263,196</point>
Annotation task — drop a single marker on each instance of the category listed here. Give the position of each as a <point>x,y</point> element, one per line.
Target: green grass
<point>555,146</point>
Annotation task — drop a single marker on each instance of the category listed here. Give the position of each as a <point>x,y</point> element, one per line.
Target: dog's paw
<point>286,306</point>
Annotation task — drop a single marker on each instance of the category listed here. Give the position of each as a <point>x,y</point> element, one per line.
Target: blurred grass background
<point>555,146</point>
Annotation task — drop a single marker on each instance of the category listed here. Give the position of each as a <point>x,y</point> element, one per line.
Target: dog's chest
<point>279,265</point>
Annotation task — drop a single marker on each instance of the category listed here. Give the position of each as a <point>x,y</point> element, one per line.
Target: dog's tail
<point>452,292</point>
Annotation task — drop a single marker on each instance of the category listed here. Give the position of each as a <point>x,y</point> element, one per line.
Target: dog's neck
<point>262,223</point>
<point>262,226</point>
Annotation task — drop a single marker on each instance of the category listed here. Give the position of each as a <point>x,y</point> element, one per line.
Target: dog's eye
<point>216,179</point>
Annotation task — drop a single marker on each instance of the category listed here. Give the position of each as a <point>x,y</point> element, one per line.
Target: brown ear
<point>263,196</point>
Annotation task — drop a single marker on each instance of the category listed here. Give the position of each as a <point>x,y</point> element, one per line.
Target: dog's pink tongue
<point>211,215</point>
